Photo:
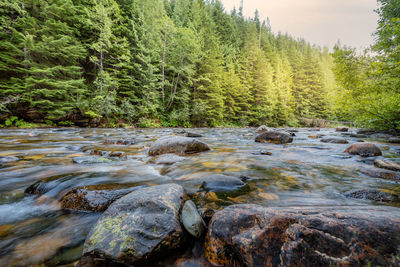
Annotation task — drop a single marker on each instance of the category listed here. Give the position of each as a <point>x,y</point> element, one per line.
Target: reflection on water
<point>34,230</point>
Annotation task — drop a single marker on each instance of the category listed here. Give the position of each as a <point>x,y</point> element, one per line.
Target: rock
<point>90,160</point>
<point>274,137</point>
<point>394,140</point>
<point>252,235</point>
<point>178,145</point>
<point>8,159</point>
<point>45,185</point>
<point>264,152</point>
<point>376,173</point>
<point>119,142</point>
<point>342,129</point>
<point>315,136</point>
<point>358,135</point>
<point>223,184</point>
<point>262,129</point>
<point>189,134</point>
<point>192,220</point>
<point>112,154</point>
<point>334,141</point>
<point>387,165</point>
<point>364,150</point>
<point>207,214</point>
<point>169,159</point>
<point>140,227</point>
<point>94,198</point>
<point>372,194</point>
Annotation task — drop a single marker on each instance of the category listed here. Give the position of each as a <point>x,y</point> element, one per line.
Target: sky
<point>320,22</point>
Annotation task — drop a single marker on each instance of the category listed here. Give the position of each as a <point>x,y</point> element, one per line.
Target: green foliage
<point>161,62</point>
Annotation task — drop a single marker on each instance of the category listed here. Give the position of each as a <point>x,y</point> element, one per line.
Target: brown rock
<point>364,150</point>
<point>274,137</point>
<point>334,141</point>
<point>393,166</point>
<point>252,235</point>
<point>373,194</point>
<point>262,129</point>
<point>178,145</point>
<point>377,173</point>
<point>342,129</point>
<point>94,198</point>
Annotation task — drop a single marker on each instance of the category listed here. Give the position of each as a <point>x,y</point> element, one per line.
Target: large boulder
<point>364,150</point>
<point>94,198</point>
<point>393,166</point>
<point>334,141</point>
<point>274,137</point>
<point>252,235</point>
<point>178,145</point>
<point>142,226</point>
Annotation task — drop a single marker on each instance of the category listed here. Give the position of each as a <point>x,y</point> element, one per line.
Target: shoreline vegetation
<point>185,63</point>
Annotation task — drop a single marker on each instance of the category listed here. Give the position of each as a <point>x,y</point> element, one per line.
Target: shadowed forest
<point>153,63</point>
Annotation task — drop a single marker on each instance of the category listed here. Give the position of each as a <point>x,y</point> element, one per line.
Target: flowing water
<point>34,230</point>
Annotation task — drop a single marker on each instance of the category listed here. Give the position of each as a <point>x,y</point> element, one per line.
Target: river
<point>34,229</point>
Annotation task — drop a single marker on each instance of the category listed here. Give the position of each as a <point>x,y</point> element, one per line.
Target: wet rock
<point>262,129</point>
<point>178,145</point>
<point>123,142</point>
<point>8,159</point>
<point>207,214</point>
<point>364,150</point>
<point>192,220</point>
<point>394,140</point>
<point>169,159</point>
<point>140,227</point>
<point>274,137</point>
<point>90,160</point>
<point>264,152</point>
<point>195,135</point>
<point>393,166</point>
<point>45,185</point>
<point>222,184</point>
<point>342,129</point>
<point>252,235</point>
<point>358,135</point>
<point>377,173</point>
<point>334,141</point>
<point>112,154</point>
<point>373,194</point>
<point>315,136</point>
<point>94,198</point>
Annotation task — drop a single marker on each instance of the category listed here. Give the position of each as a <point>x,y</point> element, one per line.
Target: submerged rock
<point>8,159</point>
<point>274,137</point>
<point>94,198</point>
<point>90,160</point>
<point>393,166</point>
<point>169,159</point>
<point>178,145</point>
<point>189,134</point>
<point>394,140</point>
<point>252,235</point>
<point>192,220</point>
<point>377,173</point>
<point>262,129</point>
<point>334,141</point>
<point>342,129</point>
<point>220,183</point>
<point>373,194</point>
<point>123,142</point>
<point>364,150</point>
<point>140,227</point>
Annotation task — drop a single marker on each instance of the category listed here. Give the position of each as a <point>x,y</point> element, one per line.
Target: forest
<point>170,63</point>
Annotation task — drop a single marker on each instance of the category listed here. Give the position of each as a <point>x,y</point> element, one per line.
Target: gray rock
<point>334,141</point>
<point>222,183</point>
<point>372,194</point>
<point>178,145</point>
<point>383,174</point>
<point>387,165</point>
<point>140,227</point>
<point>192,220</point>
<point>90,160</point>
<point>195,135</point>
<point>364,150</point>
<point>274,137</point>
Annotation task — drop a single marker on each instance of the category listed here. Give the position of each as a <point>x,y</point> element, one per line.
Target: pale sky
<point>321,22</point>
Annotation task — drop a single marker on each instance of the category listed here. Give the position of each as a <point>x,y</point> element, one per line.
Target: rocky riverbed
<point>199,197</point>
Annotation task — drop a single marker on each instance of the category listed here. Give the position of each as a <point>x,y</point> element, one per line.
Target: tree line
<point>163,63</point>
